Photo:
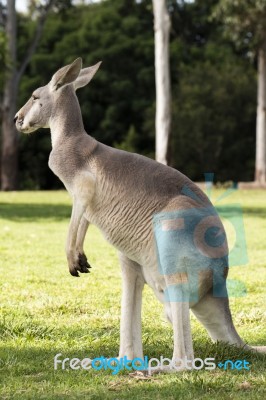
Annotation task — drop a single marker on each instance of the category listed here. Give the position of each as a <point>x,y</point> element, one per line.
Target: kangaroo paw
<point>83,263</point>
<point>80,265</point>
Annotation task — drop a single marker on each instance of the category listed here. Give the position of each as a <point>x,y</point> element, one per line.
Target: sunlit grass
<point>45,311</point>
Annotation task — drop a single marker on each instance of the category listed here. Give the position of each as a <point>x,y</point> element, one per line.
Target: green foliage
<point>214,99</point>
<point>130,141</point>
<point>45,311</point>
<point>213,86</point>
<point>213,117</point>
<point>244,20</point>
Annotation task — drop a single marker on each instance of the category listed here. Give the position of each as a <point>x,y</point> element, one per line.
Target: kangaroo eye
<point>34,97</point>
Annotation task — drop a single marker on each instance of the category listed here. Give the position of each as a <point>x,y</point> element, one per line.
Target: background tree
<point>162,78</point>
<point>9,134</point>
<point>12,77</point>
<point>245,23</point>
<point>214,95</point>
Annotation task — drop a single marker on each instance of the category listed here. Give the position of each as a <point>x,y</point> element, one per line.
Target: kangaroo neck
<point>66,120</point>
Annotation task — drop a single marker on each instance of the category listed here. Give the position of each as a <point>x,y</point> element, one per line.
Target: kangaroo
<point>136,203</point>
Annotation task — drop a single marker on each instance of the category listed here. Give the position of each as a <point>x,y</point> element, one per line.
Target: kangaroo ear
<point>67,74</point>
<point>85,75</point>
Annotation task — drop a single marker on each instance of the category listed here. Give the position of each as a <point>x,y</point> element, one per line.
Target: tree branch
<point>44,10</point>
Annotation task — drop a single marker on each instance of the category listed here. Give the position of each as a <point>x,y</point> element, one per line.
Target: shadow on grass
<point>232,211</point>
<point>255,211</point>
<point>31,212</point>
<point>29,373</point>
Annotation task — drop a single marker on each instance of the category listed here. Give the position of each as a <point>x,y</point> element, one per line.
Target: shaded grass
<point>45,311</point>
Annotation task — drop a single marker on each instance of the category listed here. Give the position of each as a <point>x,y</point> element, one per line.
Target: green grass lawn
<point>45,311</point>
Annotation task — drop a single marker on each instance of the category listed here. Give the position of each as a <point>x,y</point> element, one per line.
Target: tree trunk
<point>9,163</point>
<point>9,159</point>
<point>162,79</point>
<point>260,173</point>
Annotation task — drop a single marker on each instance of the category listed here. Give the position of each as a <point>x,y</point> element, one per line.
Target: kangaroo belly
<point>129,230</point>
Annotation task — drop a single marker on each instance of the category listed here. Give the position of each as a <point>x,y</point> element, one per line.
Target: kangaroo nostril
<point>15,119</point>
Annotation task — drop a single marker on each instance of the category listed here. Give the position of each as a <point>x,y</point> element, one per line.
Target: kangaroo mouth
<point>26,129</point>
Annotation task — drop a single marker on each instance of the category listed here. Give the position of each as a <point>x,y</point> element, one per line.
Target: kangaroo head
<point>43,103</point>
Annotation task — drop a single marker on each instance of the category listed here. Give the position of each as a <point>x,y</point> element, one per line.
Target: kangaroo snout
<point>18,119</point>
